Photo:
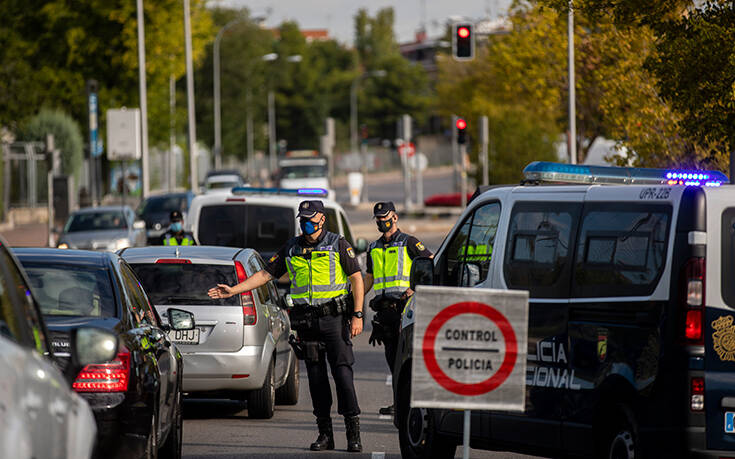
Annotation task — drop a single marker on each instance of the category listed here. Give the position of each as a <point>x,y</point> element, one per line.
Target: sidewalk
<point>29,235</point>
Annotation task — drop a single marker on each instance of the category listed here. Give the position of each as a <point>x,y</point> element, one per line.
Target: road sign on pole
<point>123,134</point>
<point>469,349</point>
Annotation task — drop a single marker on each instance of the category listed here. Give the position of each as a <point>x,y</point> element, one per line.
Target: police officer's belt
<point>304,316</point>
<point>381,303</point>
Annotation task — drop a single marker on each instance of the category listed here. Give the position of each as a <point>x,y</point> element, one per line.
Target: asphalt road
<point>222,429</point>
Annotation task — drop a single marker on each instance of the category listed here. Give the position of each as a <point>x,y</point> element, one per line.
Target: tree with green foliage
<point>67,138</point>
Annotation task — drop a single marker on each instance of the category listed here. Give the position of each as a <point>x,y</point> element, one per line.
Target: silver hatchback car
<point>239,348</point>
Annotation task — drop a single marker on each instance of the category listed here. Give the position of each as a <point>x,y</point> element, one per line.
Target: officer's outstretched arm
<point>253,282</point>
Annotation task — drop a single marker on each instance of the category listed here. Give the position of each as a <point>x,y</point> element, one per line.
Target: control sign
<point>469,348</point>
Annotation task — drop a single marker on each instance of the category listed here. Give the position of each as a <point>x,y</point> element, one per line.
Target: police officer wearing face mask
<point>325,315</point>
<point>176,234</point>
<point>388,270</point>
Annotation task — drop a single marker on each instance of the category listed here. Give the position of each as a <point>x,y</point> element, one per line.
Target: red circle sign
<point>482,387</point>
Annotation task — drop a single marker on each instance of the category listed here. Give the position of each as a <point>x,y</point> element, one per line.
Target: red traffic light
<point>463,32</point>
<point>461,123</point>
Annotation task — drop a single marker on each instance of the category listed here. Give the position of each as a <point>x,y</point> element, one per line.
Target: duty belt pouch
<point>301,318</point>
<point>312,351</point>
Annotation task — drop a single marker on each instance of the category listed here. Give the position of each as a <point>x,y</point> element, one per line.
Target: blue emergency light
<point>316,192</point>
<point>543,171</point>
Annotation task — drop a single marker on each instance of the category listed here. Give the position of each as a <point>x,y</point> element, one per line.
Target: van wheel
<point>288,394</point>
<point>416,434</point>
<point>262,402</point>
<point>620,436</point>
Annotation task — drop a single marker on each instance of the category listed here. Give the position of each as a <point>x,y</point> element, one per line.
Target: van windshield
<point>261,227</point>
<point>295,172</point>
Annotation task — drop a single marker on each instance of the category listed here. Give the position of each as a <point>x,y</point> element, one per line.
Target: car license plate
<point>184,336</point>
<point>730,422</point>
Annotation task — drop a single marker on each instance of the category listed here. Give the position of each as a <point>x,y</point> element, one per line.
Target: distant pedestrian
<point>176,234</point>
<point>326,315</point>
<point>388,272</point>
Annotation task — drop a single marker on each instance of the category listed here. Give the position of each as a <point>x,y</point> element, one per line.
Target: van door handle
<point>728,402</point>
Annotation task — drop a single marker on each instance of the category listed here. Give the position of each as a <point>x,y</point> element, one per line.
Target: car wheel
<point>416,434</point>
<point>151,447</point>
<point>288,394</point>
<point>262,402</point>
<point>619,436</point>
<point>172,447</point>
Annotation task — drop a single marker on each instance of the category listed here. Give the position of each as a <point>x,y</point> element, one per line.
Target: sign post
<point>469,350</point>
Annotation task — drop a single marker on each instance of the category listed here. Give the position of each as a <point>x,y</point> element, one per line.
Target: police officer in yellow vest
<point>388,269</point>
<point>176,234</point>
<point>322,267</point>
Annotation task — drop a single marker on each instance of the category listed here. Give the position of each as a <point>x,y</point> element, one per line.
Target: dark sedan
<point>155,211</point>
<point>136,398</point>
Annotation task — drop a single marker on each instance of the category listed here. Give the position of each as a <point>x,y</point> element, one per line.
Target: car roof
<point>177,194</point>
<point>196,254</point>
<point>64,256</point>
<point>223,178</point>
<point>89,210</point>
<point>223,172</point>
<point>261,198</point>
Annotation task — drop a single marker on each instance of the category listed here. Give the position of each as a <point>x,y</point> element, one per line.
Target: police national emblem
<point>350,252</point>
<point>420,246</point>
<point>723,338</point>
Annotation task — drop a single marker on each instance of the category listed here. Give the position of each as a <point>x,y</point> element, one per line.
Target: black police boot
<point>325,440</point>
<point>388,410</point>
<point>352,426</point>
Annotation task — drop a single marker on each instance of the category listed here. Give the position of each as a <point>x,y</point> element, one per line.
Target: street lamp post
<point>193,155</point>
<point>353,125</point>
<point>217,96</point>
<point>272,110</point>
<point>143,102</point>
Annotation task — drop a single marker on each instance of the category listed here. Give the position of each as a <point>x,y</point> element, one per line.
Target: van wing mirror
<point>422,272</point>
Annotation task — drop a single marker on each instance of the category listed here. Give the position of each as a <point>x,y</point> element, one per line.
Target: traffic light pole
<point>463,155</point>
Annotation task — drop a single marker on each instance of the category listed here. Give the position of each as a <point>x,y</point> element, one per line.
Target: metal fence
<point>25,172</point>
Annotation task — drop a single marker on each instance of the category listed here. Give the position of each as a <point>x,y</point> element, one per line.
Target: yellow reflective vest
<point>316,273</point>
<point>391,266</point>
<point>171,240</point>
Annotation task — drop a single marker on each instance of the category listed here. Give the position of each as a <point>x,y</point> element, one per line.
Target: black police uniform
<point>330,328</point>
<point>389,311</point>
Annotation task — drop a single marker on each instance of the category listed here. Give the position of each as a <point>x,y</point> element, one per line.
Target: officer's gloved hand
<point>376,337</point>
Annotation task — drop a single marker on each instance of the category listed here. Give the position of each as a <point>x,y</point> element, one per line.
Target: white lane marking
<point>385,417</point>
<point>378,455</point>
<point>389,380</point>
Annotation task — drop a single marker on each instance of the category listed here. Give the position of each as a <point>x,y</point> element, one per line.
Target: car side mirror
<point>422,272</point>
<point>470,275</point>
<point>361,245</point>
<point>139,225</point>
<point>90,345</point>
<point>179,319</point>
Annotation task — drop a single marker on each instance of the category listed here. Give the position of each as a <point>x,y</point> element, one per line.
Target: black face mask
<point>384,225</point>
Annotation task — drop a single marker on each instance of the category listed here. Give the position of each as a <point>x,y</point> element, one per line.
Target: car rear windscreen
<point>261,227</point>
<point>64,290</point>
<point>185,284</point>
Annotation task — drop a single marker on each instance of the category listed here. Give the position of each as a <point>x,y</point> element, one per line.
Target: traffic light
<point>461,131</point>
<point>463,42</point>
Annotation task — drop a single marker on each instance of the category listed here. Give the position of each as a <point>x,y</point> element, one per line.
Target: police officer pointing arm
<point>325,315</point>
<point>388,271</point>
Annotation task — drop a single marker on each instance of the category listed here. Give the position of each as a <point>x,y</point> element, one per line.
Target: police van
<point>631,331</point>
<point>261,218</point>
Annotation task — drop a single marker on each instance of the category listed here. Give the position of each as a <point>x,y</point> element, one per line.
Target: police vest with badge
<point>176,236</point>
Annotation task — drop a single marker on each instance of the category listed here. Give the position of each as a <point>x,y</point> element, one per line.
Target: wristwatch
<point>358,314</point>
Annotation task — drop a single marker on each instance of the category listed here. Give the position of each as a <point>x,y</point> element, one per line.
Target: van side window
<point>332,225</point>
<point>346,228</point>
<point>538,248</point>
<point>621,246</point>
<point>469,253</point>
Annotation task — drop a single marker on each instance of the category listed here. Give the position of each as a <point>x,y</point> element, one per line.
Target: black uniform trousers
<point>334,332</point>
<point>390,318</point>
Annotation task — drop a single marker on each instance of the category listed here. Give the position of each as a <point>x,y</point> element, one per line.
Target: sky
<point>337,15</point>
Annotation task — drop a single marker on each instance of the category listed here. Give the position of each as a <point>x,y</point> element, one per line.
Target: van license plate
<point>730,422</point>
<point>184,336</point>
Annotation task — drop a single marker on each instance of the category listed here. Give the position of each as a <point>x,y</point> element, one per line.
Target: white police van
<point>631,333</point>
<point>261,218</point>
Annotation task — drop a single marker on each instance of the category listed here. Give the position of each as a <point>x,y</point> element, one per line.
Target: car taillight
<point>105,377</point>
<point>173,261</point>
<point>697,394</point>
<point>694,300</point>
<point>249,313</point>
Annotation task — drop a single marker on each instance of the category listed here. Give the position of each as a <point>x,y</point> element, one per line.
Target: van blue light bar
<point>543,171</point>
<point>317,192</point>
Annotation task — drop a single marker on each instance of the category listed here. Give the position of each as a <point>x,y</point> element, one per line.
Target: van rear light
<point>249,312</point>
<point>697,394</point>
<point>106,377</point>
<point>694,300</point>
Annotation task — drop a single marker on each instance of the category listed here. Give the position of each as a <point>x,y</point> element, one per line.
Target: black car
<point>136,398</point>
<point>155,211</point>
